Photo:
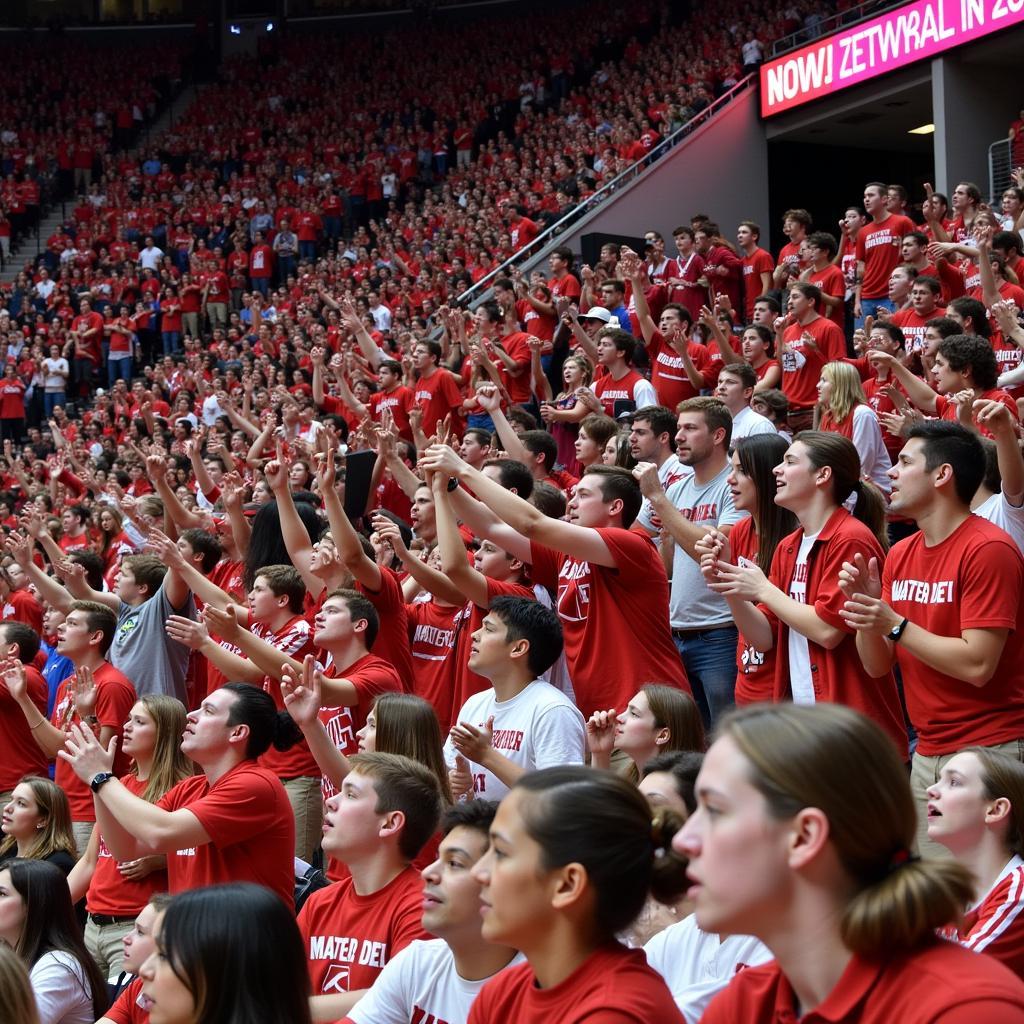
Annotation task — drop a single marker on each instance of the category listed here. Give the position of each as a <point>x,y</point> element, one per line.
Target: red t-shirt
<point>972,580</point>
<point>878,246</point>
<point>609,390</point>
<point>830,282</point>
<point>755,671</point>
<point>399,402</point>
<point>109,891</point>
<point>21,753</point>
<point>12,398</point>
<point>251,826</point>
<point>611,977</point>
<point>128,1007</point>
<point>827,336</point>
<point>668,376</point>
<point>837,675</point>
<point>518,387</point>
<point>800,382</point>
<point>115,696</point>
<point>392,641</point>
<point>434,629</point>
<point>437,395</point>
<point>614,620</point>
<point>941,982</point>
<point>350,938</point>
<point>757,263</point>
<point>912,325</point>
<point>370,676</point>
<point>947,410</point>
<point>22,606</point>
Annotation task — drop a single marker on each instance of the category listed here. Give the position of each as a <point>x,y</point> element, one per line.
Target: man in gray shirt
<point>702,624</point>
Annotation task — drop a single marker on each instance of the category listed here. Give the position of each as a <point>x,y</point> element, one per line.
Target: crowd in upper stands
<point>499,639</point>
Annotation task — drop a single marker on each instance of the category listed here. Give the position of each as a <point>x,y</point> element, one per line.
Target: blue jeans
<point>172,342</point>
<point>870,307</point>
<point>307,251</point>
<point>119,369</point>
<point>709,657</point>
<point>51,400</point>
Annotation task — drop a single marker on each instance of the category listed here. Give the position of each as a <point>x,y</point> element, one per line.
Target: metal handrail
<point>667,143</point>
<point>841,19</point>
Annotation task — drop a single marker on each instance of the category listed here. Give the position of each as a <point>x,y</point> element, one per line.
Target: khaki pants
<point>924,772</point>
<point>218,314</point>
<point>190,324</point>
<point>308,807</point>
<point>82,831</point>
<point>106,944</point>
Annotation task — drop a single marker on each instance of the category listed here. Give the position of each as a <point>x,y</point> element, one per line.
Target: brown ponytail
<point>833,758</point>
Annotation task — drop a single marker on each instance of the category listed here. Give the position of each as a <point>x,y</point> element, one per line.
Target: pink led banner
<point>890,41</point>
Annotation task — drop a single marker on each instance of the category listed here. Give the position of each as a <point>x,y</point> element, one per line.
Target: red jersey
<point>755,675</point>
<point>12,398</point>
<point>837,675</point>
<point>827,336</point>
<point>392,641</point>
<point>399,402</point>
<point>294,640</point>
<point>913,326</point>
<point>671,384</point>
<point>940,982</point>
<point>115,696</point>
<point>801,370</point>
<point>350,938</point>
<point>437,395</point>
<point>22,606</point>
<point>612,976</point>
<point>112,893</point>
<point>614,620</point>
<point>251,826</point>
<point>370,676</point>
<point>972,580</point>
<point>609,390</point>
<point>878,247</point>
<point>129,1007</point>
<point>757,263</point>
<point>995,924</point>
<point>22,755</point>
<point>434,629</point>
<point>830,282</point>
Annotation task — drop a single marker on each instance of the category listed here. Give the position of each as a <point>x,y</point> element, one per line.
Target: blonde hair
<point>16,994</point>
<point>170,766</point>
<point>55,835</point>
<point>835,759</point>
<point>847,391</point>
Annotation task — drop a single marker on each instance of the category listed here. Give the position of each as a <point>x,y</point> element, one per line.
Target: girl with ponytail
<point>573,855</point>
<point>794,610</point>
<point>802,838</point>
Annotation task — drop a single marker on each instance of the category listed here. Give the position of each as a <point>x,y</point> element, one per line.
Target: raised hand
<point>301,694</point>
<point>185,631</point>
<point>84,692</point>
<point>473,741</point>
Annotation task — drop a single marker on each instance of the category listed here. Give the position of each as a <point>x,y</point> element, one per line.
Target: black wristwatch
<point>896,632</point>
<point>99,780</point>
<point>453,484</point>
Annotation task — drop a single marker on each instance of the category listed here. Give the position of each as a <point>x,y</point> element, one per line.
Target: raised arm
<point>293,530</point>
<point>470,582</point>
<point>346,540</point>
<point>917,391</point>
<point>576,541</point>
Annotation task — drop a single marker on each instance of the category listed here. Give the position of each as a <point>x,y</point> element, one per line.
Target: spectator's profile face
<point>451,894</point>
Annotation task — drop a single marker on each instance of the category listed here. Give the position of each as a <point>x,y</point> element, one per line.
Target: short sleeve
<point>60,987</point>
<point>544,565</point>
<point>559,737</point>
<point>114,700</point>
<point>389,999</point>
<point>983,605</point>
<point>237,809</point>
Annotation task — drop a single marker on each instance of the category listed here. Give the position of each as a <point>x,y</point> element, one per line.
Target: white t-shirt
<point>875,462</point>
<point>671,471</point>
<point>998,511</point>
<point>56,371</point>
<point>420,984</point>
<point>746,423</point>
<point>62,991</point>
<point>538,728</point>
<point>799,656</point>
<point>697,965</point>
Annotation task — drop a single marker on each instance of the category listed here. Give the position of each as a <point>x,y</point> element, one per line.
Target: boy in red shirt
<point>611,584</point>
<point>947,608</point>
<point>878,253</point>
<point>388,809</point>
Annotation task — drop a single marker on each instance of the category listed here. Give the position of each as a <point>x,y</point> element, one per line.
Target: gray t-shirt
<point>691,604</point>
<point>144,652</point>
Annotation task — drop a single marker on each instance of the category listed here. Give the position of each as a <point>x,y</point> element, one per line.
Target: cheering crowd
<point>640,643</point>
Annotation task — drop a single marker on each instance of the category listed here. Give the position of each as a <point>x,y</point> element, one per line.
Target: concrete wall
<point>721,170</point>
